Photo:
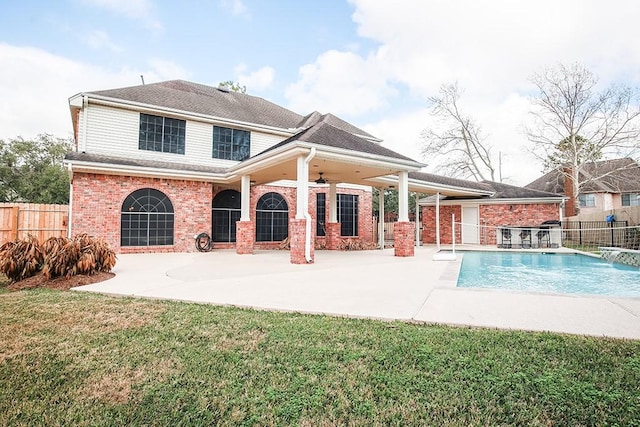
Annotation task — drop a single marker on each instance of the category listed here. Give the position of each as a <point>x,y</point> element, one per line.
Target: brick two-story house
<point>156,164</point>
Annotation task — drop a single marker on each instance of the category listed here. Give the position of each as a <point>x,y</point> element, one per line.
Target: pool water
<point>549,273</point>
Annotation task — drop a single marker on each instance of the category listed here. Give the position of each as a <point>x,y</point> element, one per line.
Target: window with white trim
<point>162,134</point>
<point>631,199</point>
<point>587,200</point>
<point>231,144</point>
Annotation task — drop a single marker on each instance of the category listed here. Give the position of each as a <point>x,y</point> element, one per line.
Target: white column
<point>403,196</point>
<point>333,202</point>
<point>381,215</point>
<point>302,187</point>
<point>438,220</point>
<point>417,220</point>
<point>245,198</point>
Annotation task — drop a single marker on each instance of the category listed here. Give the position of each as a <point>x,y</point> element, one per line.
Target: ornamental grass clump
<point>56,257</point>
<point>21,259</point>
<point>82,255</point>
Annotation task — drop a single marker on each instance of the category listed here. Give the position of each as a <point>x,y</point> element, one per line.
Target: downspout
<point>70,207</point>
<point>307,216</point>
<point>85,103</point>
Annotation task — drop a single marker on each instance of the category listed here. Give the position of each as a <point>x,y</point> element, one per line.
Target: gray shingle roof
<point>507,191</point>
<point>98,158</point>
<point>452,182</point>
<point>323,133</point>
<point>207,100</point>
<point>610,176</point>
<point>211,101</point>
<point>315,117</point>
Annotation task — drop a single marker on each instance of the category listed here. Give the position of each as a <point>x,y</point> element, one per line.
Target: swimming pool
<point>549,273</point>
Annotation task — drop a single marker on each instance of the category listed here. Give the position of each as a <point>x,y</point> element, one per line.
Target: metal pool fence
<point>590,235</point>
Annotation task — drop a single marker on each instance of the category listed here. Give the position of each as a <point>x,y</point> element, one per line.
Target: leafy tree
<point>576,124</point>
<point>233,86</point>
<point>31,170</point>
<point>391,201</point>
<point>455,139</point>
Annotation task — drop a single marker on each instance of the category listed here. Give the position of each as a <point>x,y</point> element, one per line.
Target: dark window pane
<point>321,210</point>
<point>162,134</point>
<point>272,218</point>
<point>146,219</point>
<point>348,214</point>
<point>231,144</point>
<point>225,212</point>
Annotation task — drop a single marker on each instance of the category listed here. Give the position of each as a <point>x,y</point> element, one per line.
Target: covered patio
<point>326,154</point>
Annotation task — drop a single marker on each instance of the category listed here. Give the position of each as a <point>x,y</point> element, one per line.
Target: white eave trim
<point>432,187</point>
<point>519,201</point>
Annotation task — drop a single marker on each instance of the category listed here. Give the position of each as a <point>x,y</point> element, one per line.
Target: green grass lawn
<point>70,358</point>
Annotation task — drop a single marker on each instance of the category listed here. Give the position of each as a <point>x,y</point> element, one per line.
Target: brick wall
<point>429,221</point>
<point>491,216</point>
<point>97,203</point>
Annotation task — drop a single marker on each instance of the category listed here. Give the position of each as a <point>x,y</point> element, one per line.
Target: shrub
<point>356,245</point>
<point>56,257</point>
<point>21,259</point>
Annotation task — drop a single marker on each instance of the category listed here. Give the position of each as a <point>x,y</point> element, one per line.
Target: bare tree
<point>455,140</point>
<point>575,124</point>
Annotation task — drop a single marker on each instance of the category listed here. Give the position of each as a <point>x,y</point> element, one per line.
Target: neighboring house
<point>156,164</point>
<point>608,184</point>
<point>481,217</point>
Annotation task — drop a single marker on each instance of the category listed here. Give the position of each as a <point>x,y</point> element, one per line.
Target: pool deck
<point>364,284</point>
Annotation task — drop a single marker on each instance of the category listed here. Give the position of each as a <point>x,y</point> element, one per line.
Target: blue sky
<point>371,62</point>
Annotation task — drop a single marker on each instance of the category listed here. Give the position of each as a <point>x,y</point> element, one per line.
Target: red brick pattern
<point>245,232</point>
<point>297,235</point>
<point>404,239</point>
<point>429,221</point>
<point>97,203</point>
<point>491,216</point>
<point>333,236</point>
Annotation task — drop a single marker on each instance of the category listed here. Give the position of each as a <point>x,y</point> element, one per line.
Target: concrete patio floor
<point>371,284</point>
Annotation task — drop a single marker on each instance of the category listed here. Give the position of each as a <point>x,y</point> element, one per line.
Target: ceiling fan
<point>320,180</point>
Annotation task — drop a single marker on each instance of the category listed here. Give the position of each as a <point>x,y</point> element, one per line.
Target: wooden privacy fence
<point>17,220</point>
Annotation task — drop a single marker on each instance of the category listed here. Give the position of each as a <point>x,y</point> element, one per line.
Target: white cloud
<point>36,86</point>
<point>140,10</point>
<point>236,7</point>
<point>166,70</point>
<point>258,80</point>
<point>100,40</point>
<point>341,83</point>
<point>490,47</point>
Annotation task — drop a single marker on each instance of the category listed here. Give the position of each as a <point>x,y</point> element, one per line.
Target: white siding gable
<point>114,132</point>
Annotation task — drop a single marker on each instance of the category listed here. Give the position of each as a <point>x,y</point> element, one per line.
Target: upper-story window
<point>231,144</point>
<point>631,199</point>
<point>587,200</point>
<point>162,134</point>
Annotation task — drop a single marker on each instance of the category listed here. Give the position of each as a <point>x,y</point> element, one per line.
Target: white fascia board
<point>528,201</point>
<point>139,106</point>
<point>111,168</point>
<point>267,159</point>
<point>76,101</point>
<point>431,187</point>
<point>349,156</point>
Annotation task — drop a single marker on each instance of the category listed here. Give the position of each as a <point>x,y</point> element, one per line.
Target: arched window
<point>272,218</point>
<point>146,219</point>
<point>225,211</point>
